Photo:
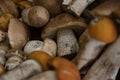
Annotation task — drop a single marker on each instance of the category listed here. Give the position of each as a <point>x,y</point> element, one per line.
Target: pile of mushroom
<point>59,39</point>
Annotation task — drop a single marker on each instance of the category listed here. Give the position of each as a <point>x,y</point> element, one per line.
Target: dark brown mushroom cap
<point>63,21</point>
<point>107,7</point>
<point>7,6</point>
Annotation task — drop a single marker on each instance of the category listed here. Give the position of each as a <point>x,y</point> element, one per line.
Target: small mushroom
<point>34,45</point>
<point>54,7</point>
<point>36,16</point>
<point>41,57</point>
<point>47,75</point>
<point>4,21</point>
<point>17,34</point>
<point>65,69</point>
<point>63,21</point>
<point>78,6</point>
<point>2,35</point>
<point>106,8</point>
<point>7,6</point>
<point>66,42</point>
<point>99,33</point>
<point>24,70</point>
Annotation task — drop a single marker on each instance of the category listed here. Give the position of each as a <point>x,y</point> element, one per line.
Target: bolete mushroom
<point>17,34</point>
<point>36,16</point>
<point>7,6</point>
<point>65,69</point>
<point>106,8</point>
<point>64,20</point>
<point>107,65</point>
<point>99,33</point>
<point>54,7</point>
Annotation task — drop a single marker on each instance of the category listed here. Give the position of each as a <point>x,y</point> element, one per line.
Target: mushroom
<point>66,42</point>
<point>77,6</point>
<point>54,7</point>
<point>36,16</point>
<point>7,6</point>
<point>24,70</point>
<point>14,59</point>
<point>41,57</point>
<point>47,75</point>
<point>4,21</point>
<point>17,34</point>
<point>107,65</point>
<point>99,33</point>
<point>17,1</point>
<point>106,8</point>
<point>65,69</point>
<point>63,21</point>
<point>48,45</point>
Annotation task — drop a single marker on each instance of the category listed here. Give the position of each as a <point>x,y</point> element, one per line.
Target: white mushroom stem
<point>48,75</point>
<point>50,47</point>
<point>78,6</point>
<point>25,70</point>
<point>2,57</point>
<point>66,42</point>
<point>107,65</point>
<point>89,50</point>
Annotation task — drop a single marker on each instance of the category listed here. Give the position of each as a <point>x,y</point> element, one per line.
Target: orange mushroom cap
<point>103,29</point>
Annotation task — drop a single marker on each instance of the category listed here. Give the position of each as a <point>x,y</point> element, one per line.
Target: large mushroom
<point>61,21</point>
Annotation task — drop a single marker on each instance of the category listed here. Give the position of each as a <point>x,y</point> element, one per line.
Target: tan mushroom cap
<point>107,7</point>
<point>63,21</point>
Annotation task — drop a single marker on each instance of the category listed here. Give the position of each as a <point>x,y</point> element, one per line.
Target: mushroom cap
<point>7,6</point>
<point>65,69</point>
<point>103,29</point>
<point>107,7</point>
<point>63,21</point>
<point>41,57</point>
<point>17,34</point>
<point>54,7</point>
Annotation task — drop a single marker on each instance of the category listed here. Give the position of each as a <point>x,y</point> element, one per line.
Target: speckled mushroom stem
<point>107,65</point>
<point>78,6</point>
<point>89,50</point>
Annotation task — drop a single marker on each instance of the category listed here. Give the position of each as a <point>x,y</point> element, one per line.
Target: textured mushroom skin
<point>63,21</point>
<point>66,42</point>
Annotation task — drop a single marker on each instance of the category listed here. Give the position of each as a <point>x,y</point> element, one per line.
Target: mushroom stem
<point>89,50</point>
<point>25,70</point>
<point>67,43</point>
<point>107,65</point>
<point>78,6</point>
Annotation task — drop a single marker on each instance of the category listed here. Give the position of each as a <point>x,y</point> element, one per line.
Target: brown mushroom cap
<point>53,6</point>
<point>107,7</point>
<point>63,21</point>
<point>17,34</point>
<point>7,6</point>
